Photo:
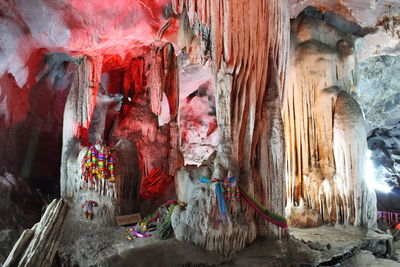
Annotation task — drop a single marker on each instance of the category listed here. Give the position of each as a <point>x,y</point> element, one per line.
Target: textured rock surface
<point>123,112</point>
<point>384,143</point>
<point>20,208</point>
<point>366,258</point>
<point>365,13</point>
<point>105,246</point>
<point>38,246</point>
<point>337,243</point>
<point>324,129</point>
<point>378,76</point>
<point>248,72</point>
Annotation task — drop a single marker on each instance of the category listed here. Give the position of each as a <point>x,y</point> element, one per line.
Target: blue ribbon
<point>219,190</point>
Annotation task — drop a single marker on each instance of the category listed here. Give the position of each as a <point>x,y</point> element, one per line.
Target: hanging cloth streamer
<point>218,185</point>
<point>97,164</point>
<point>266,214</point>
<point>155,184</point>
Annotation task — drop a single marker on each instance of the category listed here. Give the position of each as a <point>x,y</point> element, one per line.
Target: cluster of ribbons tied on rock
<point>230,188</point>
<point>96,164</point>
<point>225,190</point>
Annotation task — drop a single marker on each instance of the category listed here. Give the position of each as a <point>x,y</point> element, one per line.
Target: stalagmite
<point>77,117</point>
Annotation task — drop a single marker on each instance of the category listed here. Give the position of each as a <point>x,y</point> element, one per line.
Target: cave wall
<point>365,13</point>
<point>34,87</point>
<point>377,75</point>
<point>324,129</point>
<point>31,120</point>
<point>123,74</point>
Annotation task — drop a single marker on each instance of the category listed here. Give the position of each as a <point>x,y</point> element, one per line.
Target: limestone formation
<point>377,76</point>
<point>38,245</point>
<point>249,67</point>
<point>128,120</point>
<point>324,129</point>
<point>18,204</point>
<point>274,95</point>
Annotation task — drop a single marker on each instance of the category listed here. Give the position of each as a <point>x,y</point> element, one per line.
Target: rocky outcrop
<point>365,258</point>
<point>38,246</point>
<point>335,244</point>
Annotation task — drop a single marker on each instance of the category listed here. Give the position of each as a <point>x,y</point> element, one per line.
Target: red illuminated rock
<point>168,83</point>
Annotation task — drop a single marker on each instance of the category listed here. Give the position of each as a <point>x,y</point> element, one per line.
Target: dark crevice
<point>339,259</point>
<point>338,21</point>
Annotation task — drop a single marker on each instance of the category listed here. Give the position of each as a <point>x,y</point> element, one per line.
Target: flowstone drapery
<point>324,130</point>
<point>248,48</point>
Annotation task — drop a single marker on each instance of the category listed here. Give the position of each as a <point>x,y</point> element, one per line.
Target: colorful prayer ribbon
<point>219,190</point>
<point>225,185</point>
<point>266,214</point>
<point>97,164</point>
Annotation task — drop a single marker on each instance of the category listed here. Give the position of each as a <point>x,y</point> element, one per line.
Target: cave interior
<point>199,133</point>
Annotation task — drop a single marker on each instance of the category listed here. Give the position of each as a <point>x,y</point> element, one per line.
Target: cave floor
<point>349,245</point>
<point>324,246</point>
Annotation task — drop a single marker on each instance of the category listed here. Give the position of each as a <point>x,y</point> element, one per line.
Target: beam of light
<point>372,183</point>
